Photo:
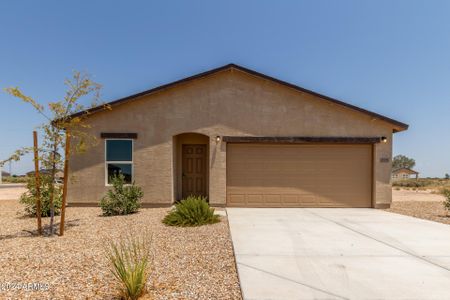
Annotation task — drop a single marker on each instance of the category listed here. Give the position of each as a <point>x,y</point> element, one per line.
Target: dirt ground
<point>428,210</point>
<point>420,204</point>
<point>418,195</point>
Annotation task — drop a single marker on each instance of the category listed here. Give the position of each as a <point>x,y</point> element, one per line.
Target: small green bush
<point>29,198</point>
<point>121,199</point>
<point>193,211</point>
<point>446,193</point>
<point>130,261</point>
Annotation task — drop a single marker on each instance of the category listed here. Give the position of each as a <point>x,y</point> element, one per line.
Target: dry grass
<point>189,263</point>
<point>422,184</point>
<point>429,210</point>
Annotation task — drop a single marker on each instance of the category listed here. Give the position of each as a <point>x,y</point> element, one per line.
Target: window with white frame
<point>119,159</point>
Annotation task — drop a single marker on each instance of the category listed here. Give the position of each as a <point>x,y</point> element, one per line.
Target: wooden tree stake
<point>66,175</point>
<point>38,184</point>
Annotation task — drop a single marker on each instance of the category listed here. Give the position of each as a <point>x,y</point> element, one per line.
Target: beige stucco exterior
<point>227,103</point>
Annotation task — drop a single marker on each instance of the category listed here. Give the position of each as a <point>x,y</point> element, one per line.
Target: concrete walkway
<point>339,254</point>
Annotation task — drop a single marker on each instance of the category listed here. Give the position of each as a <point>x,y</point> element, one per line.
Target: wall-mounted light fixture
<point>384,139</point>
<point>218,139</point>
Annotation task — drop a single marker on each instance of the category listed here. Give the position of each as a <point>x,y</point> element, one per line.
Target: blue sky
<point>391,57</point>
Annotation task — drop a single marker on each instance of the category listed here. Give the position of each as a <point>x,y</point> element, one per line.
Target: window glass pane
<point>116,169</point>
<point>119,150</point>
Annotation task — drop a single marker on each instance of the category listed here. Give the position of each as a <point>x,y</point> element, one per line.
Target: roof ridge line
<point>401,126</point>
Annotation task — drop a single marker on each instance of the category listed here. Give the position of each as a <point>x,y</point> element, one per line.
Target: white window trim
<point>119,162</point>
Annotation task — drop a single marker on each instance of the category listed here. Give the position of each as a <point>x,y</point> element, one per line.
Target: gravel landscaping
<point>189,263</point>
<point>429,210</point>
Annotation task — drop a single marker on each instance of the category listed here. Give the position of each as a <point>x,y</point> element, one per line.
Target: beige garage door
<point>261,175</point>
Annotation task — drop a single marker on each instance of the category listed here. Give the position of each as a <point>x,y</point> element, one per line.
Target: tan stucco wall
<point>227,103</point>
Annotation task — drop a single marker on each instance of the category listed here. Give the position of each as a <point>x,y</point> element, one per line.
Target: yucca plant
<point>192,211</point>
<point>130,260</point>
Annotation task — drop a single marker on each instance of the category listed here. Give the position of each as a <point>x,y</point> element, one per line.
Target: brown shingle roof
<point>404,170</point>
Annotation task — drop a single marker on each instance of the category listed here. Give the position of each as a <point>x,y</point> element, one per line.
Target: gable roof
<point>404,170</point>
<point>398,126</point>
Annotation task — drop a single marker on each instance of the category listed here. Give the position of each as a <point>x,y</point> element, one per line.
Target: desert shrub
<point>14,179</point>
<point>411,183</point>
<point>446,193</point>
<point>122,199</point>
<point>192,211</point>
<point>29,198</point>
<point>130,261</point>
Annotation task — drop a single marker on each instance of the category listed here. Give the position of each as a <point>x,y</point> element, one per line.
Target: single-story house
<point>59,174</point>
<point>404,173</point>
<point>3,174</point>
<point>242,139</point>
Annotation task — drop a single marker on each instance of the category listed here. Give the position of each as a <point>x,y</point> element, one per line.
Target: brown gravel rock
<point>189,263</point>
<point>429,210</point>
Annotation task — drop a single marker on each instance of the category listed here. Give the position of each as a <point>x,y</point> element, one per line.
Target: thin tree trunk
<point>66,175</point>
<point>37,182</point>
<point>52,188</point>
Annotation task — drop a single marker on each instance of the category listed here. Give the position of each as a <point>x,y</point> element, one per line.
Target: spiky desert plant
<point>130,261</point>
<point>192,211</point>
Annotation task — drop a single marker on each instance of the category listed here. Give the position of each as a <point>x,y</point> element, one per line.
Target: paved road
<point>339,254</point>
<point>11,191</point>
<point>11,185</point>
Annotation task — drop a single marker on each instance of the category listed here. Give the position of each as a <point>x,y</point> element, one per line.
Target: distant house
<point>3,174</point>
<point>59,173</point>
<point>404,173</point>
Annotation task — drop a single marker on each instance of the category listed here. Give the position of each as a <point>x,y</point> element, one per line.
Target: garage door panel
<point>254,199</point>
<point>299,175</point>
<point>235,199</point>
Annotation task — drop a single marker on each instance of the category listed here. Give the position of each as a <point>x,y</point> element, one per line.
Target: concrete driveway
<point>339,254</point>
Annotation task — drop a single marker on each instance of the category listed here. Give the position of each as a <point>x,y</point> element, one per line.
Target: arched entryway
<point>191,165</point>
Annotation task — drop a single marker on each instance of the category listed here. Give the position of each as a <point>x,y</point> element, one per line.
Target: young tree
<point>402,161</point>
<point>447,176</point>
<point>59,124</point>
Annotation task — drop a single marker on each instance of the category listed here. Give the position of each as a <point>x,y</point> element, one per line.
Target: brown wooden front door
<point>194,170</point>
